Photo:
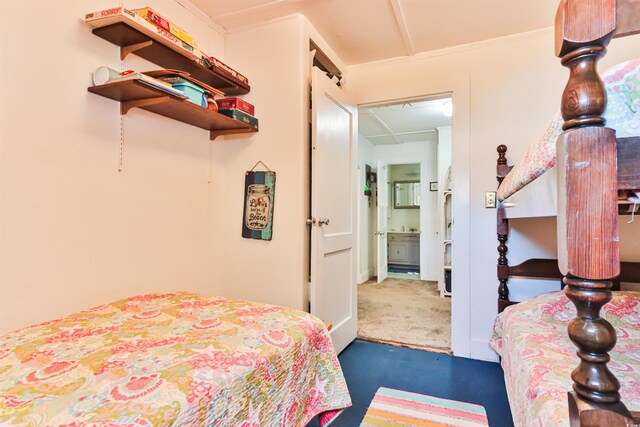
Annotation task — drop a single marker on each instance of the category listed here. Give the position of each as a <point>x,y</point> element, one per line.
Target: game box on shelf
<point>238,103</point>
<point>153,17</point>
<point>240,116</point>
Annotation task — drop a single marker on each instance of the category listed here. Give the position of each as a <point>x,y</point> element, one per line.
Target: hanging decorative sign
<point>259,194</point>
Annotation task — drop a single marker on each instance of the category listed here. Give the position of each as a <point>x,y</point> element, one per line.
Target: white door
<point>333,210</point>
<point>381,229</point>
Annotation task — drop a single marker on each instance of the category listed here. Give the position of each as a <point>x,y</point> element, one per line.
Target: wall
<point>75,232</point>
<point>275,55</point>
<point>366,213</point>
<point>425,153</point>
<point>444,154</point>
<point>505,91</point>
<point>274,271</point>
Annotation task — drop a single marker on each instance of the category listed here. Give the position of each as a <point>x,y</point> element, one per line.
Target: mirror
<point>406,194</point>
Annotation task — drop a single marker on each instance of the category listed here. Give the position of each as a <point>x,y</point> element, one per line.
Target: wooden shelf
<point>135,94</point>
<point>157,51</point>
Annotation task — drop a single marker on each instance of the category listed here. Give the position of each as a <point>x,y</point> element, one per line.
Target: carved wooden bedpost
<point>503,234</point>
<point>588,243</point>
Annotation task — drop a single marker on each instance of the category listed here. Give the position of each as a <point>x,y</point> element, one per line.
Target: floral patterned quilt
<point>538,357</point>
<point>622,114</point>
<point>175,359</point>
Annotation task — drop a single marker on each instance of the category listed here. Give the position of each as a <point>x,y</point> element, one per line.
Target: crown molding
<point>263,23</point>
<point>198,13</point>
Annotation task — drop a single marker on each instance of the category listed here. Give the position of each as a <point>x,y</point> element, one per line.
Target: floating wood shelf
<point>135,94</point>
<point>154,49</point>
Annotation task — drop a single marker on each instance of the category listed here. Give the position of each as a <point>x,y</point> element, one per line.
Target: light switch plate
<point>490,199</point>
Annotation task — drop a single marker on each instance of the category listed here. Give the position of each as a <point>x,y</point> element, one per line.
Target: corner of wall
<point>278,267</point>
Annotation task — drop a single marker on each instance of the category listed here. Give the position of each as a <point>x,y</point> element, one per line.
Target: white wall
<point>507,90</point>
<point>275,57</point>
<point>274,271</point>
<point>366,212</point>
<point>444,153</point>
<point>425,153</point>
<point>75,232</point>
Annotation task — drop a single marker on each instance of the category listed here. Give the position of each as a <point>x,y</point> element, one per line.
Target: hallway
<point>404,312</point>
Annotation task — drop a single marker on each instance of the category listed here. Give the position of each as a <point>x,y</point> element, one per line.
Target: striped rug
<point>391,408</point>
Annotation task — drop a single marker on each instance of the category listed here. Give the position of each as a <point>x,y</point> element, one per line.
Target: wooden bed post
<point>503,234</point>
<point>588,243</point>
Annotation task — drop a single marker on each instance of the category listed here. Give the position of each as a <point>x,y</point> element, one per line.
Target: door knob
<point>322,221</point>
<point>311,221</point>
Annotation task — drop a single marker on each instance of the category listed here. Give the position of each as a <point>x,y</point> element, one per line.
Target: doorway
<point>404,151</point>
<point>403,221</point>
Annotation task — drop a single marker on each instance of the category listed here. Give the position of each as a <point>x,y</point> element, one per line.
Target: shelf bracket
<point>216,133</point>
<point>128,105</point>
<point>126,50</point>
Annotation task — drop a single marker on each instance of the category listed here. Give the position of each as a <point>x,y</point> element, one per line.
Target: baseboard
<point>365,276</point>
<point>480,350</point>
<point>428,277</point>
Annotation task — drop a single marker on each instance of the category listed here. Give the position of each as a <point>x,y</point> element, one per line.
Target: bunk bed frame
<point>593,166</point>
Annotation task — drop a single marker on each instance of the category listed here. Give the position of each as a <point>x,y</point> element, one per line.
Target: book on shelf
<point>104,75</point>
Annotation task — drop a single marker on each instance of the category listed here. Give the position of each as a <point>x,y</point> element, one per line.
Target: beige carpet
<point>408,312</point>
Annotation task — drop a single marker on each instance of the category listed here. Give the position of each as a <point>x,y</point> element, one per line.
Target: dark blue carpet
<point>368,366</point>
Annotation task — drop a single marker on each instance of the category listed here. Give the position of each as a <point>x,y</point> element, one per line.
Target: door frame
<point>423,236</point>
<point>458,89</point>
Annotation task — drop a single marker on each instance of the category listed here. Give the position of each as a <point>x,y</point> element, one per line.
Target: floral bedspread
<point>622,114</point>
<point>538,357</point>
<point>175,359</point>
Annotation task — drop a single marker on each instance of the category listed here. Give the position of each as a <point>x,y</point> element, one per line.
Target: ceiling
<point>369,30</point>
<point>414,121</point>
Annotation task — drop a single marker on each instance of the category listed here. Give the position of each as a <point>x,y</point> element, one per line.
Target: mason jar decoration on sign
<point>258,203</point>
<point>259,192</point>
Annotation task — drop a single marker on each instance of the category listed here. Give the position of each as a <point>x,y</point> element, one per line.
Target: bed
<point>172,359</point>
<point>598,171</point>
<point>538,357</point>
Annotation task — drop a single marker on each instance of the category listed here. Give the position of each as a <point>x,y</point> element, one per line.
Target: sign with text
<point>259,195</point>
